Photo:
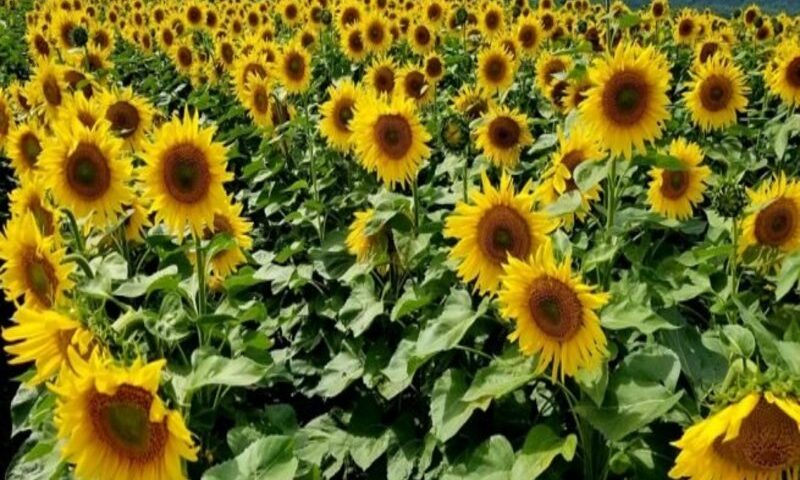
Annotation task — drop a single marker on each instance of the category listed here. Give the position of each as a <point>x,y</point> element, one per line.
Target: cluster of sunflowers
<point>581,104</point>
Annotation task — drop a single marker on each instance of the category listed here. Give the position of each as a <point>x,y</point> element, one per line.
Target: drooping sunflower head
<point>245,66</point>
<point>361,240</point>
<point>554,312</point>
<point>137,220</point>
<point>502,135</point>
<point>228,220</point>
<point>674,193</point>
<point>39,45</point>
<point>627,104</point>
<point>24,145</point>
<point>784,78</point>
<point>472,102</point>
<point>42,337</point>
<point>413,84</point>
<point>87,171</point>
<point>30,198</point>
<point>33,266</point>
<point>710,47</point>
<point>716,93</point>
<point>130,116</point>
<point>184,174</point>
<point>496,68</point>
<point>337,113</point>
<point>87,111</point>
<point>293,68</point>
<point>496,224</point>
<point>110,418</point>
<point>257,98</point>
<point>755,437</point>
<point>576,92</point>
<point>549,68</point>
<point>389,138</point>
<point>381,76</point>
<point>773,221</point>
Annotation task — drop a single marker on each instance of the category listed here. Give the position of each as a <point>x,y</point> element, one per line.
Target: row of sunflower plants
<point>401,239</point>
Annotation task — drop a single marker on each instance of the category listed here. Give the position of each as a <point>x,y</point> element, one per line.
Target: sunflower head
<point>362,241</point>
<point>381,76</point>
<point>496,68</point>
<point>24,146</point>
<point>674,193</point>
<point>716,93</point>
<point>774,218</point>
<point>502,135</point>
<point>293,68</point>
<point>337,113</point>
<point>784,78</point>
<point>129,115</point>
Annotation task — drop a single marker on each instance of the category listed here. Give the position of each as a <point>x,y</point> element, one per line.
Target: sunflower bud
<point>582,26</point>
<point>758,22</point>
<point>79,36</point>
<point>729,199</point>
<point>325,17</point>
<point>461,16</point>
<point>454,133</point>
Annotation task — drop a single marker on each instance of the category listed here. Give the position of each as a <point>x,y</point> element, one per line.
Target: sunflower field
<point>399,239</point>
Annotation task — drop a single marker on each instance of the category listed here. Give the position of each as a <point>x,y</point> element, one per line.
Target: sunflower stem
<point>611,207</point>
<point>465,180</point>
<point>732,267</point>
<point>76,232</point>
<point>415,194</point>
<point>201,276</point>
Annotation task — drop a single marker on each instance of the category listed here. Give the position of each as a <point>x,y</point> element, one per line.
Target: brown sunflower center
<point>708,50</point>
<point>254,68</point>
<point>344,113</point>
<point>167,37</point>
<point>31,148</point>
<point>495,68</point>
<point>185,57</point>
<point>776,223</point>
<point>571,160</point>
<point>415,84</point>
<point>376,33</point>
<point>355,42</point>
<point>793,72</point>
<point>433,67</point>
<point>555,308</point>
<point>552,68</point>
<point>350,15</point>
<point>625,97</point>
<point>291,12</point>
<point>422,35</point>
<point>384,80</point>
<point>40,277</point>
<point>295,66</point>
<point>685,27</point>
<point>86,118</point>
<point>227,53</point>
<point>674,183</point>
<point>51,91</point>
<point>476,108</point>
<point>527,36</point>
<point>5,121</point>
<point>393,135</point>
<point>122,421</point>
<point>502,231</point>
<point>557,93</point>
<point>491,20</point>
<point>548,21</point>
<point>88,173</point>
<point>124,118</point>
<point>763,33</point>
<point>194,15</point>
<point>749,16</point>
<point>434,12</point>
<point>44,217</point>
<point>504,132</point>
<point>716,92</point>
<point>41,45</point>
<point>260,99</point>
<point>66,33</point>
<point>658,9</point>
<point>768,440</point>
<point>186,173</point>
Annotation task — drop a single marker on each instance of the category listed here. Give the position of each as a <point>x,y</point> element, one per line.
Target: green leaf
<point>448,411</point>
<point>782,137</point>
<point>503,375</point>
<point>339,373</point>
<point>361,307</point>
<point>445,331</point>
<point>217,370</point>
<point>628,20</point>
<point>493,460</point>
<point>741,340</point>
<point>166,279</point>
<point>654,363</point>
<point>590,174</point>
<point>270,457</point>
<point>704,367</point>
<point>541,447</point>
<point>625,313</point>
<point>567,203</point>
<point>790,352</point>
<point>788,276</point>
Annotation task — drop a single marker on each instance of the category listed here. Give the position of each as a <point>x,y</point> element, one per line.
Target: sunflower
<point>496,224</point>
<point>130,116</point>
<point>23,147</point>
<point>256,98</point>
<point>716,93</point>
<point>293,68</point>
<point>784,78</point>
<point>137,220</point>
<point>39,46</point>
<point>528,35</point>
<point>579,147</point>
<point>389,138</point>
<point>576,93</point>
<point>87,171</point>
<point>245,66</point>
<point>111,419</point>
<point>413,84</point>
<point>361,241</point>
<point>627,106</point>
<point>495,69</point>
<point>380,76</point>
<point>422,38</point>
<point>228,220</point>
<point>659,9</point>
<point>30,198</point>
<point>184,174</point>
<point>711,47</point>
<point>376,34</point>
<point>43,337</point>
<point>348,14</point>
<point>291,12</point>
<point>337,113</point>
<point>66,30</point>
<point>754,438</point>
<point>48,88</point>
<point>184,58</point>
<point>673,193</point>
<point>433,65</point>
<point>502,134</point>
<point>686,28</point>
<point>33,267</point>
<point>774,218</point>
<point>555,313</point>
<point>472,102</point>
<point>548,69</point>
<point>352,44</point>
<point>86,111</point>
<point>491,20</point>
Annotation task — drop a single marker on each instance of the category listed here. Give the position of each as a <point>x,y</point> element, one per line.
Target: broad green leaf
<point>741,340</point>
<point>493,460</point>
<point>503,375</point>
<point>781,140</point>
<point>541,447</point>
<point>270,457</point>
<point>654,363</point>
<point>790,352</point>
<point>788,275</point>
<point>589,174</point>
<point>341,371</point>
<point>144,284</point>
<point>625,313</point>
<point>704,367</point>
<point>361,308</point>
<point>445,331</point>
<point>569,202</point>
<point>448,411</point>
<point>232,372</point>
